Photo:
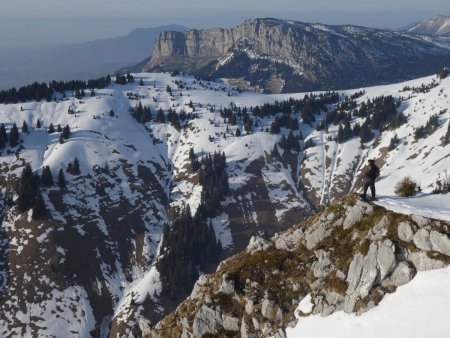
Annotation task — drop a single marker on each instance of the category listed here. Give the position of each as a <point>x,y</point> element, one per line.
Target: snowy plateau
<point>90,269</point>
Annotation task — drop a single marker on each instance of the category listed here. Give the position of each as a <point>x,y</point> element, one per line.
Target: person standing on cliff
<point>370,177</point>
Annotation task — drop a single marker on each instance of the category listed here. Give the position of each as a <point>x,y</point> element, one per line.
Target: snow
<point>427,205</point>
<point>66,313</point>
<point>417,309</point>
<point>305,306</point>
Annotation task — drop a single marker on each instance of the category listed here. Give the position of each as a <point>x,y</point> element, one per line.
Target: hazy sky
<point>25,22</point>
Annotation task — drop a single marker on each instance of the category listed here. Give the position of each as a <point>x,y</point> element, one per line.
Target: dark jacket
<point>373,172</point>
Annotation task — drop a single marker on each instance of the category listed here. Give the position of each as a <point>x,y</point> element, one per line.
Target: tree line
<point>43,91</point>
<point>190,242</point>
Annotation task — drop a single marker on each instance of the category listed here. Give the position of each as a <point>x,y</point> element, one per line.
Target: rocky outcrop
<point>285,56</point>
<point>345,258</point>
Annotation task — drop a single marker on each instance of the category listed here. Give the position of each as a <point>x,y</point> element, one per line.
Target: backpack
<point>377,172</point>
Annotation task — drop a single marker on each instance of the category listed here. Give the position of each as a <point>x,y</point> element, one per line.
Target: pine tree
<point>238,132</point>
<point>348,134</point>
<point>393,143</point>
<point>27,188</point>
<point>14,136</point>
<point>3,133</point>
<point>233,120</point>
<point>51,129</point>
<point>130,78</point>
<point>160,118</point>
<point>340,134</point>
<point>59,129</point>
<point>283,143</point>
<point>39,209</point>
<point>66,132</point>
<point>61,179</point>
<point>24,127</point>
<point>275,153</point>
<point>192,154</point>
<point>76,167</point>
<point>46,176</point>
<point>141,83</point>
<point>38,124</point>
<point>446,139</point>
<point>365,133</point>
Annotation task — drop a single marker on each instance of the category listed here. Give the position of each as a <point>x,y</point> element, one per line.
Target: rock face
<point>346,258</point>
<point>285,56</point>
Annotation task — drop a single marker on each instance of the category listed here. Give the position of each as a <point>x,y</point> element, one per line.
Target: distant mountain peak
<point>436,26</point>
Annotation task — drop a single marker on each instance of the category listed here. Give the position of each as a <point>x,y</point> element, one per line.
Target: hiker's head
<point>371,162</point>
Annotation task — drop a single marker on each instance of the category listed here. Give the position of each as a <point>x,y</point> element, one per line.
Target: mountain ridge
<point>287,56</point>
<point>136,171</point>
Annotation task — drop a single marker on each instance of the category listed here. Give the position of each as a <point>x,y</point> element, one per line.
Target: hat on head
<point>371,161</point>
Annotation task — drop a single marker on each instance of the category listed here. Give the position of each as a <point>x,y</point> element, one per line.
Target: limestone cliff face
<point>283,56</point>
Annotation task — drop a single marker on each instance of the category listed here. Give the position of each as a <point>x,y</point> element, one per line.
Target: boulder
<point>245,330</point>
<point>249,306</point>
<point>422,262</point>
<point>405,232</point>
<point>440,242</point>
<point>255,323</point>
<point>354,273</point>
<point>290,240</point>
<point>379,230</point>
<point>227,286</point>
<point>355,213</point>
<point>419,220</point>
<point>422,240</point>
<point>386,258</point>
<point>401,275</point>
<point>230,323</point>
<point>144,326</point>
<point>317,233</point>
<point>322,267</point>
<point>185,334</point>
<point>257,244</point>
<point>365,272</point>
<point>369,272</point>
<point>268,309</point>
<point>206,320</point>
<point>279,334</point>
<point>196,291</point>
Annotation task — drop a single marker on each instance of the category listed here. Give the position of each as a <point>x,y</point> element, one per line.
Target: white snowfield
<point>436,206</point>
<point>416,310</point>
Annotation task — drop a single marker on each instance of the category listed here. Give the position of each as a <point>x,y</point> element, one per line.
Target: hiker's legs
<point>366,186</point>
<point>372,188</point>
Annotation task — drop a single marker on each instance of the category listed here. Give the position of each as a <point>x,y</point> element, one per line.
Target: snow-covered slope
<point>414,310</point>
<point>94,257</point>
<point>436,25</point>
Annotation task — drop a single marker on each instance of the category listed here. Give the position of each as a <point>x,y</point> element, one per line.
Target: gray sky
<point>25,22</point>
